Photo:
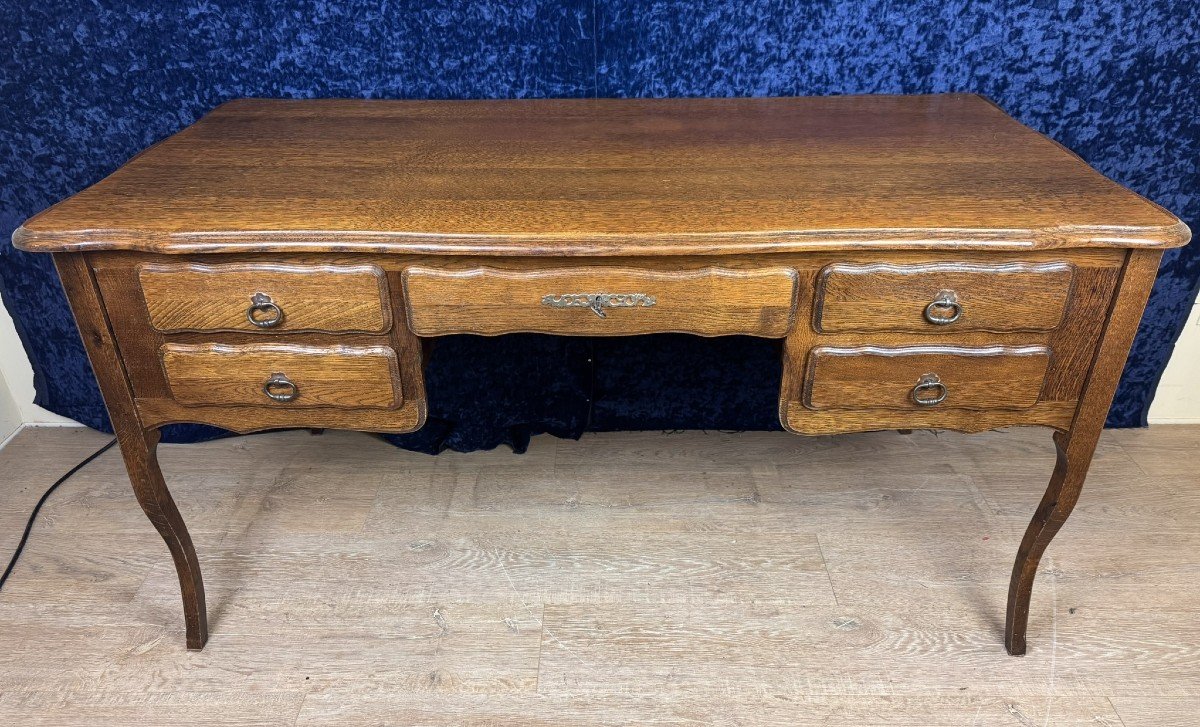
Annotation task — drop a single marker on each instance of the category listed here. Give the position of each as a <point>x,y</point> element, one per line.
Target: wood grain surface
<point>348,377</point>
<point>707,301</point>
<point>199,297</point>
<point>1072,343</point>
<point>889,297</point>
<point>604,177</point>
<point>725,579</point>
<point>994,377</point>
<point>141,348</point>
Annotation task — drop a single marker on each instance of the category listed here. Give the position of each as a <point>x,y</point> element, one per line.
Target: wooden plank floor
<point>633,578</point>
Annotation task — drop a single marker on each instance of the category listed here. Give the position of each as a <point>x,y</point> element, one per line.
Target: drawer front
<point>266,298</point>
<point>283,375</point>
<point>942,297</point>
<point>925,377</point>
<point>601,301</point>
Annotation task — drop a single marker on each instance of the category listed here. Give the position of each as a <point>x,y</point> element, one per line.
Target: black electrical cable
<point>37,508</point>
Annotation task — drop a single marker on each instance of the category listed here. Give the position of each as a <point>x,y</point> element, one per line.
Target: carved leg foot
<point>139,450</point>
<point>1074,455</point>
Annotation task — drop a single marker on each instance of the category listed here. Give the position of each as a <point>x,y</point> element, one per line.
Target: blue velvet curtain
<point>85,85</point>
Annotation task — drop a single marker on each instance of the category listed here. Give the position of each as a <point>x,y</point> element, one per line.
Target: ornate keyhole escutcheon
<point>597,302</point>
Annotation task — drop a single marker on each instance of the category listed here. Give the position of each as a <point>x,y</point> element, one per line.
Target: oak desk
<point>927,261</point>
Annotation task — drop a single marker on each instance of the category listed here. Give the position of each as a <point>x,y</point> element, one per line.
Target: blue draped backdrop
<point>85,85</point>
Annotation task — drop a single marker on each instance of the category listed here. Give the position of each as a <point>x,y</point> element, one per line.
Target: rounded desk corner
<point>1182,233</point>
<point>1163,237</point>
<point>26,240</point>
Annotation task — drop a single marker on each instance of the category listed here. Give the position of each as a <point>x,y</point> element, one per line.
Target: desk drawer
<point>266,298</point>
<point>601,301</point>
<point>925,377</point>
<point>283,375</point>
<point>942,297</point>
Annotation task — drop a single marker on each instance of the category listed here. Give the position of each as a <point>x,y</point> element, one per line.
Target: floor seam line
<point>828,575</point>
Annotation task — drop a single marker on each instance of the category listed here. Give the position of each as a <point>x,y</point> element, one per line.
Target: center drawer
<point>283,375</point>
<point>601,301</point>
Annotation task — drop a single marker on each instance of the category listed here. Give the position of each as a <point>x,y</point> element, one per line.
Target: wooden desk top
<point>604,177</point>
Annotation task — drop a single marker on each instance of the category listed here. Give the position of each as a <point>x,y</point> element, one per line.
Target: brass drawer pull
<point>948,300</point>
<point>280,388</point>
<point>260,303</point>
<point>929,391</point>
<point>597,302</point>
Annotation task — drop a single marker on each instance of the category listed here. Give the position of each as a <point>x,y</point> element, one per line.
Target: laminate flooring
<point>628,578</point>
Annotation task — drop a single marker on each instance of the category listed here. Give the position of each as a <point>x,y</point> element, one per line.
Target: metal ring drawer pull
<point>280,388</point>
<point>929,391</point>
<point>261,303</point>
<point>945,299</point>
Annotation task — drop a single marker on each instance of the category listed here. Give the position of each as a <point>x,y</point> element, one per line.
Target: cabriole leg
<point>1074,455</point>
<point>141,461</point>
<point>1076,446</point>
<point>138,443</point>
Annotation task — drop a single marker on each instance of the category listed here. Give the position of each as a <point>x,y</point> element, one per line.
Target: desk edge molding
<point>605,244</point>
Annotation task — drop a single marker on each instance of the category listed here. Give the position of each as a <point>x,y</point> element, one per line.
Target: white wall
<point>16,384</point>
<point>10,413</point>
<point>1178,397</point>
